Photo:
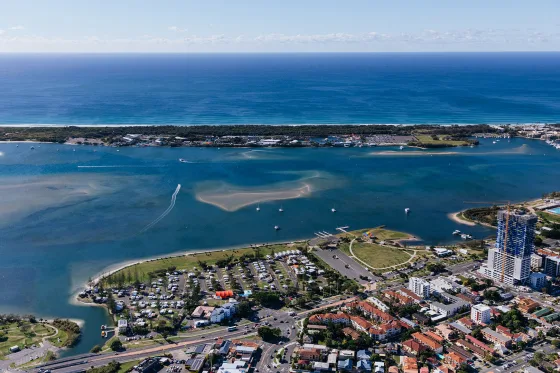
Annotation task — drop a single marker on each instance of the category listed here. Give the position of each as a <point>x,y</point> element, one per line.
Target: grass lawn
<point>427,139</point>
<point>125,367</point>
<point>548,216</point>
<point>26,335</point>
<point>379,232</point>
<point>379,256</point>
<point>191,261</point>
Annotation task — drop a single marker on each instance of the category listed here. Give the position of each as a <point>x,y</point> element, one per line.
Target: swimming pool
<point>555,210</point>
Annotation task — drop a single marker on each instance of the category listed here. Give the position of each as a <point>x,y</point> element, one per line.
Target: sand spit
<point>410,153</point>
<point>455,217</point>
<point>236,200</point>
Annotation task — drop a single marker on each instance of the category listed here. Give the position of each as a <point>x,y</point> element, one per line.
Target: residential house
<point>310,354</point>
<point>445,331</point>
<point>345,365</point>
<point>413,347</point>
<point>496,337</point>
<point>527,305</point>
<point>379,367</point>
<point>364,366</point>
<point>409,364</point>
<point>478,343</point>
<point>363,355</point>
<point>454,360</point>
<point>428,342</point>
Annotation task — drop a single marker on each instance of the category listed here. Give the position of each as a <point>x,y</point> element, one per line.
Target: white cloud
<point>426,40</point>
<point>177,29</point>
<point>19,27</point>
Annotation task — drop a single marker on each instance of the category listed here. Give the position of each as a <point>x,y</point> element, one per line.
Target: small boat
<point>406,210</point>
<point>32,147</point>
<point>276,227</point>
<point>73,150</point>
<point>280,209</point>
<point>456,232</point>
<point>401,147</point>
<point>182,160</point>
<point>493,142</point>
<point>17,146</point>
<point>258,208</point>
<point>103,327</point>
<point>333,210</point>
<point>103,334</point>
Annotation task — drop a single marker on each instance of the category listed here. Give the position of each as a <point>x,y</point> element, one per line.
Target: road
<point>354,270</point>
<point>279,319</point>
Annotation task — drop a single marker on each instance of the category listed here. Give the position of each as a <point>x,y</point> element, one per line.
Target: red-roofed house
<point>413,347</point>
<point>504,331</point>
<point>435,337</point>
<point>454,360</point>
<point>428,342</point>
<point>370,311</point>
<point>360,323</point>
<point>410,364</point>
<point>479,344</point>
<point>324,318</point>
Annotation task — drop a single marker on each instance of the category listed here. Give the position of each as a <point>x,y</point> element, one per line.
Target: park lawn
<point>125,367</point>
<point>379,232</point>
<point>427,139</point>
<point>15,336</point>
<point>548,216</point>
<point>190,261</point>
<point>62,335</point>
<point>379,256</point>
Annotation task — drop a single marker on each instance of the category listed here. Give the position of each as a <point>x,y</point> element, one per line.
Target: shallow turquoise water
<point>555,210</point>
<point>66,215</point>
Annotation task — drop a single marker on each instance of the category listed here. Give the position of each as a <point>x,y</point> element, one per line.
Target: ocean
<point>70,212</point>
<point>287,88</point>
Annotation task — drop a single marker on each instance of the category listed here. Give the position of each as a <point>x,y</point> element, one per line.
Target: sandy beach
<point>455,217</point>
<point>410,153</point>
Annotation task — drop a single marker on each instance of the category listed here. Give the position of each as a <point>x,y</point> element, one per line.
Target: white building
<point>480,314</point>
<point>536,261</point>
<point>224,312</point>
<point>122,324</point>
<point>537,280</point>
<point>419,286</point>
<point>379,304</point>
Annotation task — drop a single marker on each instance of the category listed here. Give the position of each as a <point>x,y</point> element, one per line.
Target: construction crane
<point>504,254</point>
<point>504,248</point>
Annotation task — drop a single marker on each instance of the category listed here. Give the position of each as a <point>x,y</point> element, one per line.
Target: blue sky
<point>278,26</point>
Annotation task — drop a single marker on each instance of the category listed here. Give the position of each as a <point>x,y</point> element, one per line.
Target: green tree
<point>268,334</point>
<point>116,345</point>
<point>95,349</point>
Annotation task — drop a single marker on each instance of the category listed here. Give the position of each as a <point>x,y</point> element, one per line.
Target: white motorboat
<point>406,210</point>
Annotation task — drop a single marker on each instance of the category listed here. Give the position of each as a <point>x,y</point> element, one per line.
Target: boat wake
<point>173,199</point>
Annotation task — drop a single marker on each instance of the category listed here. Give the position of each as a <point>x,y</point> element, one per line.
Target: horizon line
<point>282,52</point>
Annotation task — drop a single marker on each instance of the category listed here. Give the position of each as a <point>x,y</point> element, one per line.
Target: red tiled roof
<point>412,345</point>
<point>435,337</point>
<point>426,341</point>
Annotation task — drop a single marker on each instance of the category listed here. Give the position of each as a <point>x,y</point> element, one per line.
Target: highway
<point>279,319</point>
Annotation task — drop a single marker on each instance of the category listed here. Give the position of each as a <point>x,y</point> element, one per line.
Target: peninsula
<point>426,136</point>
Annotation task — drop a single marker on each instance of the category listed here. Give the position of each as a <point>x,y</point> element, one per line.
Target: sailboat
<point>280,209</point>
<point>258,208</point>
<point>333,210</point>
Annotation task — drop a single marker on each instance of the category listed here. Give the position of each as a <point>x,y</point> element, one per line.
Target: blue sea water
<point>280,88</point>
